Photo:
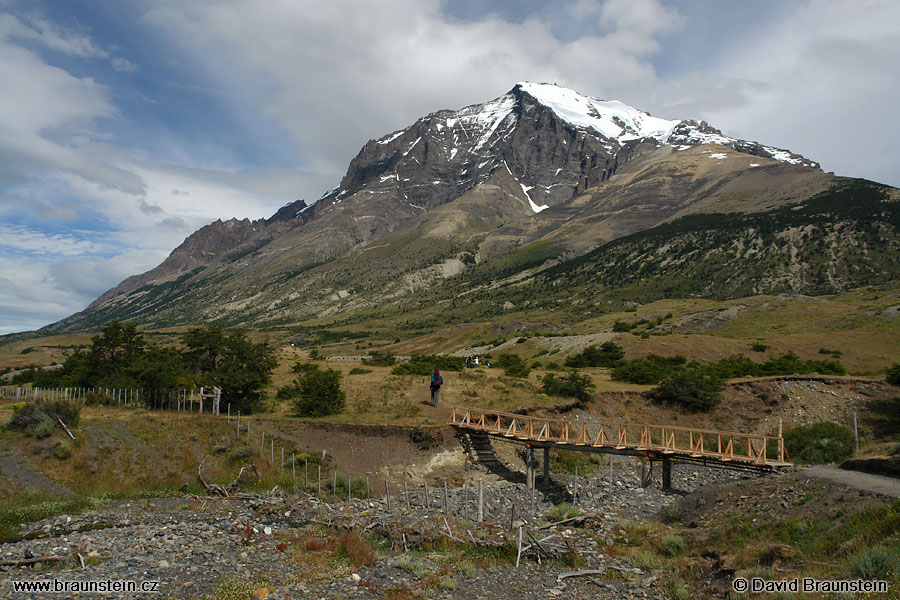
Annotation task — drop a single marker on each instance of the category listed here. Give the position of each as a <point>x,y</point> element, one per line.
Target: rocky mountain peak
<point>555,141</point>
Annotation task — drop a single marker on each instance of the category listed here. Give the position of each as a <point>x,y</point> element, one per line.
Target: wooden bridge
<point>655,443</point>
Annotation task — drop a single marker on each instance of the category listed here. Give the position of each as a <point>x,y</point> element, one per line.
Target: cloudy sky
<point>127,124</point>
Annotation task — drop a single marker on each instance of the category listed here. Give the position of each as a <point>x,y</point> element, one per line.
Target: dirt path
<point>861,481</point>
<point>23,476</point>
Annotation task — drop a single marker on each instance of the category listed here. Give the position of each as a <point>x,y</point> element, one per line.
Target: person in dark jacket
<point>436,382</point>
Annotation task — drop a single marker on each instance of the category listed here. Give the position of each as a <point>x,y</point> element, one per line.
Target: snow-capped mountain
<point>456,188</point>
<point>554,141</point>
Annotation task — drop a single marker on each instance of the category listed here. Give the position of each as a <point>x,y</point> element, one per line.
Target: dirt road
<point>861,481</point>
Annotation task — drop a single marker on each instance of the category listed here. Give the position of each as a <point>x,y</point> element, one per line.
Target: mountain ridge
<point>539,165</point>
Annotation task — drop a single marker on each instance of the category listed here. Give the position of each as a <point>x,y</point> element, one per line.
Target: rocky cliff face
<point>210,243</point>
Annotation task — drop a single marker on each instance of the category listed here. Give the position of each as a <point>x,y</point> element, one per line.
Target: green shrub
<point>759,347</point>
<point>359,371</point>
<point>609,354</point>
<point>820,443</point>
<point>512,365</point>
<point>572,386</point>
<point>623,326</point>
<point>692,388</point>
<point>878,562</point>
<point>320,393</point>
<point>649,370</point>
<point>67,410</point>
<point>380,359</point>
<point>62,450</point>
<point>893,374</point>
<point>421,364</point>
<point>676,588</point>
<point>672,545</point>
<point>42,429</point>
<point>288,392</point>
<point>29,415</point>
<point>562,511</point>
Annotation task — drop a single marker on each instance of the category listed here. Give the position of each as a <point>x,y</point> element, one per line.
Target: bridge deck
<point>657,442</point>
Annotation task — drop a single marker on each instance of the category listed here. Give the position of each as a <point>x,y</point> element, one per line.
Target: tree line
<point>122,357</point>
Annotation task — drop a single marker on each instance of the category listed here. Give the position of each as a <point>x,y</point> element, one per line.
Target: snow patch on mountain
<point>610,118</point>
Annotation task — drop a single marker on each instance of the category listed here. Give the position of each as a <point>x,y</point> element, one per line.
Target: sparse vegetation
<point>672,545</point>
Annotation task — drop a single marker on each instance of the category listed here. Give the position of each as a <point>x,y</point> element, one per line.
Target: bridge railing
<point>694,442</point>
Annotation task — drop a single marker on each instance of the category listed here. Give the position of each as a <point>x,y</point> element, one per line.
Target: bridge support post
<point>546,466</point>
<point>666,474</point>
<point>646,473</point>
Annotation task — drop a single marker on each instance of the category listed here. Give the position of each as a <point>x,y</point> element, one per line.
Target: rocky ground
<point>291,545</point>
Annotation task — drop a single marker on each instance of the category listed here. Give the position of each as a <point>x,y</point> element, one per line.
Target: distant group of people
<point>474,363</point>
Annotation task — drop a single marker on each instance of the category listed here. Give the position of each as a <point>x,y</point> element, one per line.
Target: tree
<point>609,354</point>
<point>693,388</point>
<point>573,386</point>
<point>320,393</point>
<point>231,362</point>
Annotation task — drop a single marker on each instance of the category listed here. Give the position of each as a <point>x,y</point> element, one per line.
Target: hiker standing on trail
<point>436,382</point>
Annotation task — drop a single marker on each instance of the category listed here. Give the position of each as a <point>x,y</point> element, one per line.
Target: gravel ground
<point>190,545</point>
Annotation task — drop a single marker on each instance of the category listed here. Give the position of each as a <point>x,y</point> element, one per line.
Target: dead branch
<point>64,427</point>
<point>582,573</point>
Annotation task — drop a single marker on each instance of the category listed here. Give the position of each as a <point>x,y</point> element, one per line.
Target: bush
<point>820,443</point>
<point>562,511</point>
<point>421,364</point>
<point>878,562</point>
<point>759,347</point>
<point>41,430</point>
<point>380,359</point>
<point>32,416</point>
<point>573,386</point>
<point>647,371</point>
<point>893,374</point>
<point>67,410</point>
<point>62,450</point>
<point>609,354</point>
<point>320,393</point>
<point>359,371</point>
<point>512,365</point>
<point>623,326</point>
<point>288,392</point>
<point>355,549</point>
<point>672,545</point>
<point>692,388</point>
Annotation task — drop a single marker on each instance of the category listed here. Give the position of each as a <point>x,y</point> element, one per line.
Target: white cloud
<point>34,28</point>
<point>820,82</point>
<point>337,74</point>
<point>123,65</point>
<point>19,238</point>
